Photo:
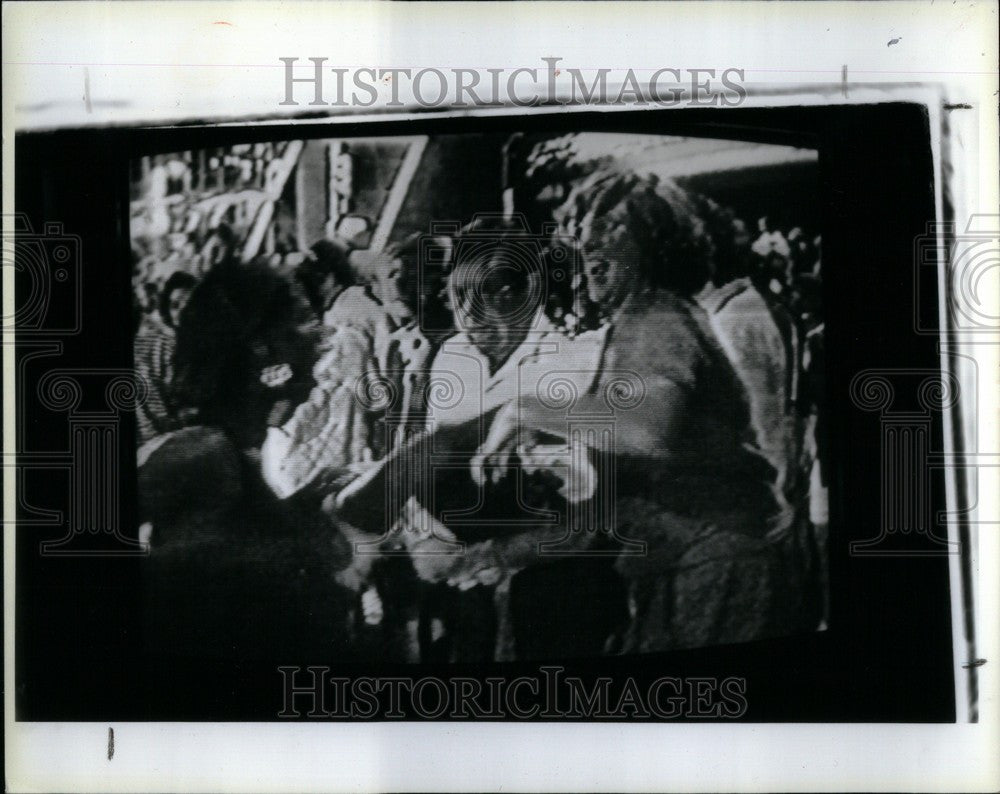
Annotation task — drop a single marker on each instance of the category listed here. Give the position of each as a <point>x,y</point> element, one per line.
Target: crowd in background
<point>270,382</point>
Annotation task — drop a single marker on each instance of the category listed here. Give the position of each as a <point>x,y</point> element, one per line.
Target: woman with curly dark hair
<point>246,348</point>
<point>233,572</point>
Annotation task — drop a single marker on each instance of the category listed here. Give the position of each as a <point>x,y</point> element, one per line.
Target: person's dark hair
<point>657,218</point>
<point>240,319</point>
<point>730,241</point>
<point>333,257</point>
<point>328,259</point>
<point>408,252</point>
<point>177,280</point>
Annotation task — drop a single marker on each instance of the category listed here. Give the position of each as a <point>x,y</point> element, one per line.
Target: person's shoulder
<point>660,336</point>
<point>716,298</point>
<point>580,353</point>
<point>659,315</point>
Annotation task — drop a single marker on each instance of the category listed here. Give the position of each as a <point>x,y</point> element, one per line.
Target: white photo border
<point>559,757</point>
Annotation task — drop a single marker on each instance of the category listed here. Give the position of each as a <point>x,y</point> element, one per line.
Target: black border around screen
<point>887,655</point>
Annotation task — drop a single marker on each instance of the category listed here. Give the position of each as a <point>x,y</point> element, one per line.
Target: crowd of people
<point>293,405</point>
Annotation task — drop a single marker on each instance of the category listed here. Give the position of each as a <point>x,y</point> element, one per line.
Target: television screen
<point>303,306</point>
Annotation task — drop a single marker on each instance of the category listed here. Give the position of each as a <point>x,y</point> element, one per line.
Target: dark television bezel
<point>888,653</point>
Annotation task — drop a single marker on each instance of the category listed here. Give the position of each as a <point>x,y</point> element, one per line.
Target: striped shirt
<point>154,362</point>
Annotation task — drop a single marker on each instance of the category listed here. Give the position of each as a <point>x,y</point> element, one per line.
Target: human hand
<point>481,564</point>
<point>418,526</point>
<point>371,607</point>
<point>364,548</point>
<point>434,559</point>
<point>492,459</point>
<point>334,480</point>
<point>488,577</point>
<point>570,464</point>
<point>434,551</point>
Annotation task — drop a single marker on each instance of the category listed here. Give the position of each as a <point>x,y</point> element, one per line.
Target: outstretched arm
<point>649,427</point>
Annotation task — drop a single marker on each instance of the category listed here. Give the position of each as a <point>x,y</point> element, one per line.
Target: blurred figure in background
<point>761,341</point>
<point>324,274</point>
<point>220,246</point>
<point>154,349</point>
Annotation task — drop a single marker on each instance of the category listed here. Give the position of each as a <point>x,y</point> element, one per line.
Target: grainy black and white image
<point>479,397</point>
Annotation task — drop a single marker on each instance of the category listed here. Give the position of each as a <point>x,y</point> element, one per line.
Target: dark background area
<point>887,656</point>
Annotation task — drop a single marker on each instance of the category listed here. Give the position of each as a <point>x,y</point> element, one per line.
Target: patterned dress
<point>154,361</point>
